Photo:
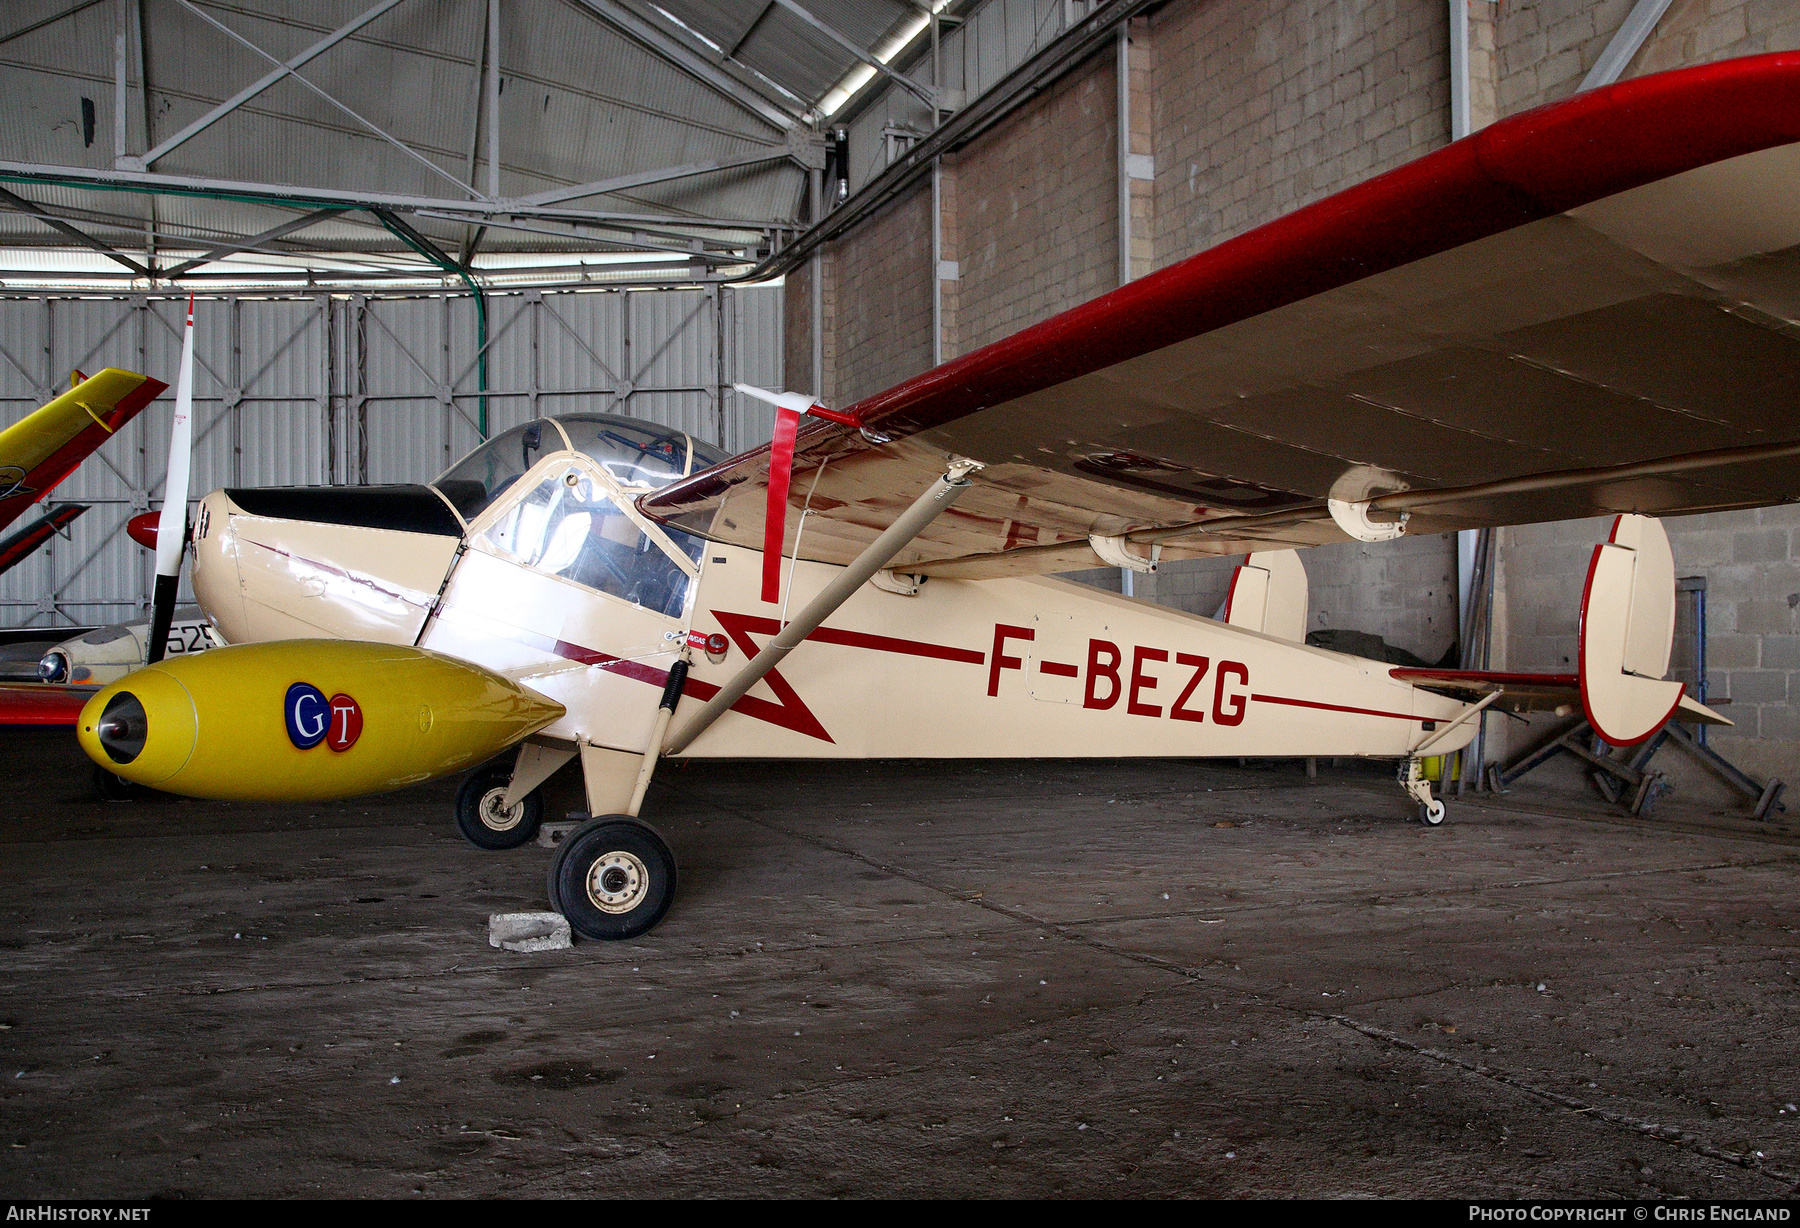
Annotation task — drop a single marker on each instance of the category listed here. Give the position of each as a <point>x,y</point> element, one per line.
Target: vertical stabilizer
<point>1627,627</point>
<point>1269,594</point>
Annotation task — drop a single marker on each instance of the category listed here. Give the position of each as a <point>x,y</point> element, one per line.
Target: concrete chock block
<point>551,834</point>
<point>529,931</point>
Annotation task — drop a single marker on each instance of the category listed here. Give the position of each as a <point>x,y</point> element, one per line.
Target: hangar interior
<point>409,225</point>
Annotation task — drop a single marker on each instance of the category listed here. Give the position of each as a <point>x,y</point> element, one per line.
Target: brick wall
<point>1037,228</point>
<point>1262,106</point>
<point>881,272</point>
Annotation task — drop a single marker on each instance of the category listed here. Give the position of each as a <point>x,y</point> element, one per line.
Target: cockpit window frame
<point>623,497</point>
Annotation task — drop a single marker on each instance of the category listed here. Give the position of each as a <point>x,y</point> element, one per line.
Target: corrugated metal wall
<point>295,389</point>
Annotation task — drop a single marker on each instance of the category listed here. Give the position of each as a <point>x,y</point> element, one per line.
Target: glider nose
<point>142,727</point>
<point>122,728</point>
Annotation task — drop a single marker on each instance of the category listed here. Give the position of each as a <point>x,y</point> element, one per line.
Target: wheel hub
<point>617,882</point>
<point>493,817</point>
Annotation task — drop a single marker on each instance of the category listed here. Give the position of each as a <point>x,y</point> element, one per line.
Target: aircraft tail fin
<point>1269,594</point>
<point>1627,628</point>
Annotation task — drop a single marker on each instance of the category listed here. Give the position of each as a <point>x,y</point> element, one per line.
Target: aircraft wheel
<point>1431,813</point>
<point>613,877</point>
<point>113,787</point>
<point>480,818</point>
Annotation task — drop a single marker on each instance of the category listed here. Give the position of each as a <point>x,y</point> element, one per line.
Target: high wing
<point>42,449</point>
<point>1590,308</point>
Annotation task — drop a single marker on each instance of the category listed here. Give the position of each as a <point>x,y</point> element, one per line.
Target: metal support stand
<point>1767,794</point>
<point>1630,782</point>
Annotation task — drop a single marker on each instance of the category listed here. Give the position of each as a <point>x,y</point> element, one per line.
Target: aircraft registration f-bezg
<point>1587,309</point>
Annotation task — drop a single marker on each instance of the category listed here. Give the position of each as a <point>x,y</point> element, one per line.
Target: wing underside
<point>1587,309</point>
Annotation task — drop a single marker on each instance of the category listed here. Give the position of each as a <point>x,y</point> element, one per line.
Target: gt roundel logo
<point>346,722</point>
<point>311,718</point>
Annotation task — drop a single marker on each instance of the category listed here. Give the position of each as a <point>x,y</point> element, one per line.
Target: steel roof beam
<point>689,61</point>
<point>80,236</point>
<point>641,178</point>
<point>620,245</point>
<point>404,148</point>
<point>288,194</point>
<point>922,92</point>
<point>254,241</point>
<point>250,91</point>
<point>1632,33</point>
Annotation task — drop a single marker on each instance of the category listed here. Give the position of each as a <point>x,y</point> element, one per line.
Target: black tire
<point>113,787</point>
<point>613,877</point>
<point>480,819</point>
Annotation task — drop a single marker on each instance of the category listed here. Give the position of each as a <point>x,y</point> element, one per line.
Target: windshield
<point>569,526</point>
<point>638,453</point>
<point>484,474</point>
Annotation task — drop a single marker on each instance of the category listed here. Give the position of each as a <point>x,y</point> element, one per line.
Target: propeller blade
<point>171,532</point>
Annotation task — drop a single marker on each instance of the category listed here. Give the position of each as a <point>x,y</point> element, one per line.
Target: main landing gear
<point>1412,779</point>
<point>613,877</point>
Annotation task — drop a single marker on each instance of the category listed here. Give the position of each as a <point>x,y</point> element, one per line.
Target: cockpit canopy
<point>634,453</point>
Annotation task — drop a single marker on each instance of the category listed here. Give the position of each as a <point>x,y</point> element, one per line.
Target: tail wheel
<point>485,822</point>
<point>1431,813</point>
<point>613,878</point>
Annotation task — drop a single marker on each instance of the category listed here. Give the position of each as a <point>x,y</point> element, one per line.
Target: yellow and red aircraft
<point>36,454</point>
<point>40,450</point>
<point>1592,308</point>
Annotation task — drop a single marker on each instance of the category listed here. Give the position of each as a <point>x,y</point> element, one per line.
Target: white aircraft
<point>1587,309</point>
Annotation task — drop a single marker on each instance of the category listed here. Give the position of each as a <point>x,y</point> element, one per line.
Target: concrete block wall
<point>1403,591</point>
<point>1546,47</point>
<point>796,330</point>
<point>883,300</point>
<point>1259,108</point>
<point>1036,220</point>
<point>1262,106</point>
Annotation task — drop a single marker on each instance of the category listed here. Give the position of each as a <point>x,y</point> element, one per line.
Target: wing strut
<point>880,552</point>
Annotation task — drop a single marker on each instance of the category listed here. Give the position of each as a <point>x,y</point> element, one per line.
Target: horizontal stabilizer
<point>1696,713</point>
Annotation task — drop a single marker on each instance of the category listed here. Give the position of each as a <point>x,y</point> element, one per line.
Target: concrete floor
<point>963,979</point>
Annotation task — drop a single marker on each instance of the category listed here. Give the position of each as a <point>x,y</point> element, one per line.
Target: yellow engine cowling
<point>305,720</point>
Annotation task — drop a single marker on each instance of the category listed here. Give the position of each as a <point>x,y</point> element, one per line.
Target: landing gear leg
<point>1412,779</point>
